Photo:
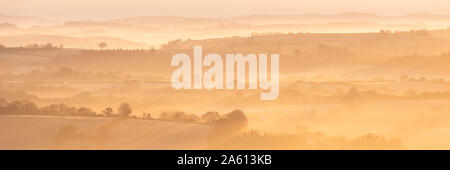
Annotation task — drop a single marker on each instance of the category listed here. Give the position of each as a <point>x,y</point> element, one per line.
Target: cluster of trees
<point>26,107</point>
<point>236,117</point>
<point>422,32</point>
<point>421,79</point>
<point>208,117</point>
<point>65,73</point>
<point>227,126</point>
<point>254,139</point>
<point>43,46</point>
<point>174,44</point>
<point>179,116</point>
<point>373,141</point>
<point>68,75</point>
<point>119,51</point>
<point>102,46</point>
<point>33,46</point>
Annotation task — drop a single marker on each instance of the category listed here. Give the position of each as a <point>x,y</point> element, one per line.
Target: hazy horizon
<point>78,10</point>
<point>98,74</point>
<point>62,20</point>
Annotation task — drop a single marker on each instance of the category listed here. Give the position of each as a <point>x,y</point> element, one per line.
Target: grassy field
<point>48,132</point>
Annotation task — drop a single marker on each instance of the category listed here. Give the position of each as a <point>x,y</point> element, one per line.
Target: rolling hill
<point>48,132</point>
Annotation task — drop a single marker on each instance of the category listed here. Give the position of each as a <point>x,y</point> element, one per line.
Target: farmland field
<point>50,132</point>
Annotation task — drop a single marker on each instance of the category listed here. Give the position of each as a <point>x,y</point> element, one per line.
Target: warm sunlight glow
<point>203,74</point>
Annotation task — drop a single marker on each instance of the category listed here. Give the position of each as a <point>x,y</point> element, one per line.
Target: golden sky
<point>102,9</point>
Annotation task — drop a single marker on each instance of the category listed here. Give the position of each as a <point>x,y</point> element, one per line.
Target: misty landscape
<point>347,81</point>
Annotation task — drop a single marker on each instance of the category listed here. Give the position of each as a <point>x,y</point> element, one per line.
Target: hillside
<point>47,132</point>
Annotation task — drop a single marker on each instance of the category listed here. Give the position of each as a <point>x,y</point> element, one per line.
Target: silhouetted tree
<point>146,116</point>
<point>108,112</point>
<point>125,110</point>
<point>373,141</point>
<point>229,125</point>
<point>102,45</point>
<point>237,118</point>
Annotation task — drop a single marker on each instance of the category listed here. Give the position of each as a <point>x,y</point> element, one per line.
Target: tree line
<point>124,110</point>
<point>26,107</point>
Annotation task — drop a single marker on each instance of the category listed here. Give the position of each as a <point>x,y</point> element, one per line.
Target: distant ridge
<point>282,19</point>
<point>25,20</point>
<point>241,19</point>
